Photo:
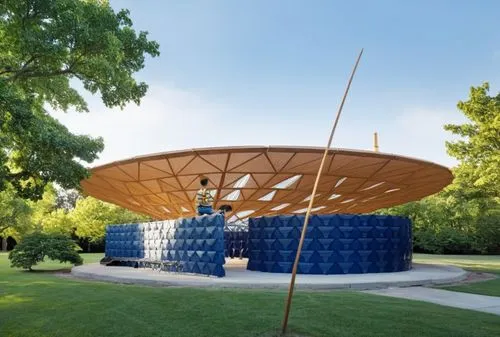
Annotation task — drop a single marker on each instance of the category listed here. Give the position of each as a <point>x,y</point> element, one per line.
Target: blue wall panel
<point>197,244</point>
<point>334,244</point>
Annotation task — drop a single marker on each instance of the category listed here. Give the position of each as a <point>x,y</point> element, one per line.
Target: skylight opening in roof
<point>166,210</point>
<point>244,214</point>
<point>233,196</point>
<point>347,201</point>
<point>304,210</point>
<point>373,186</point>
<point>341,180</point>
<point>184,209</point>
<point>287,182</point>
<point>268,197</point>
<point>392,190</point>
<point>240,183</point>
<point>334,196</point>
<point>280,207</point>
<point>309,197</point>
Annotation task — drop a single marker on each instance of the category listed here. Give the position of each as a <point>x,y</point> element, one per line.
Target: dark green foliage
<point>443,224</point>
<point>46,46</point>
<point>35,247</point>
<point>15,214</point>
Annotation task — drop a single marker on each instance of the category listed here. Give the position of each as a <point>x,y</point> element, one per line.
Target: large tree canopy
<point>479,147</point>
<point>46,47</point>
<point>465,217</point>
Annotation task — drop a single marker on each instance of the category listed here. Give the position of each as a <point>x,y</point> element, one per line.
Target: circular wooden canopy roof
<point>259,181</point>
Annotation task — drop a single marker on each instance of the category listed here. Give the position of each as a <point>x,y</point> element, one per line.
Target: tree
<point>91,216</point>
<point>449,223</point>
<point>479,148</point>
<point>66,199</point>
<point>48,216</point>
<point>15,216</point>
<point>36,246</point>
<point>465,217</point>
<point>46,47</point>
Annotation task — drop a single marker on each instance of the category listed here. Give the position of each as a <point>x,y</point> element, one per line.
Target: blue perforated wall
<point>334,244</point>
<point>196,243</point>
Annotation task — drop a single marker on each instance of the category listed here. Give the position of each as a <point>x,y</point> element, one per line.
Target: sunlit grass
<point>476,263</point>
<point>44,304</point>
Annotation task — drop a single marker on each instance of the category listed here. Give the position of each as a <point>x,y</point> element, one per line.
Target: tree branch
<point>28,73</point>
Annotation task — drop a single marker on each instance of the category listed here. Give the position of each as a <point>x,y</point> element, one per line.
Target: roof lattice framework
<point>259,181</point>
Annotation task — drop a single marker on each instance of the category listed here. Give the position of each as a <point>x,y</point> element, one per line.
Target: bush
<point>35,247</point>
<point>444,224</point>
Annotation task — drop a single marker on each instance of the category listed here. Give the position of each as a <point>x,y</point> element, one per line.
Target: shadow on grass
<point>277,333</point>
<point>49,271</point>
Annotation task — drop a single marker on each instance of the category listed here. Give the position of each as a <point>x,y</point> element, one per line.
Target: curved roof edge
<point>275,148</point>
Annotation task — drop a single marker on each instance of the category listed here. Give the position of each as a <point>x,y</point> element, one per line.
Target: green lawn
<point>479,263</point>
<point>42,304</point>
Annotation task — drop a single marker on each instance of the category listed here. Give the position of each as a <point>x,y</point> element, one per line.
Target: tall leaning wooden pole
<point>311,201</point>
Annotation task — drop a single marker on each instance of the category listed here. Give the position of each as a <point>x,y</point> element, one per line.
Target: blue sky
<point>273,73</point>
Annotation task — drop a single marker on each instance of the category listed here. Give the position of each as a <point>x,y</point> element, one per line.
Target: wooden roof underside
<point>259,181</point>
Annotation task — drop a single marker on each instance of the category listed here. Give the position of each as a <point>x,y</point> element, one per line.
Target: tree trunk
<point>88,246</point>
<point>4,244</point>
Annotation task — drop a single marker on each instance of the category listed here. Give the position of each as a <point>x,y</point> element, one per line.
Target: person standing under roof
<point>204,199</point>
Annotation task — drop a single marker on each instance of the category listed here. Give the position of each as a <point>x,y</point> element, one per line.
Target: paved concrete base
<point>490,304</point>
<point>238,277</point>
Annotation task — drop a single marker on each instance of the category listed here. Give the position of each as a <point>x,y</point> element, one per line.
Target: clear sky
<point>260,72</point>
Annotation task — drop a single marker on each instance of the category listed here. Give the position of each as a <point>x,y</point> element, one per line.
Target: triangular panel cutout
<point>231,178</point>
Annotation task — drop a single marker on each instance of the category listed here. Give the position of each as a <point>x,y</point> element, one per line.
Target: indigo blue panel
<point>125,241</point>
<point>194,245</point>
<point>334,244</point>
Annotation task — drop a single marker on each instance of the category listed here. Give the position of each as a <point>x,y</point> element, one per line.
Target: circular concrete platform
<point>238,277</point>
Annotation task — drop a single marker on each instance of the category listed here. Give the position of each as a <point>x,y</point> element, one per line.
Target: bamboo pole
<point>311,201</point>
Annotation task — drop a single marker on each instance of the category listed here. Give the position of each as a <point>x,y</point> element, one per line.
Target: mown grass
<point>477,263</point>
<point>43,304</point>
